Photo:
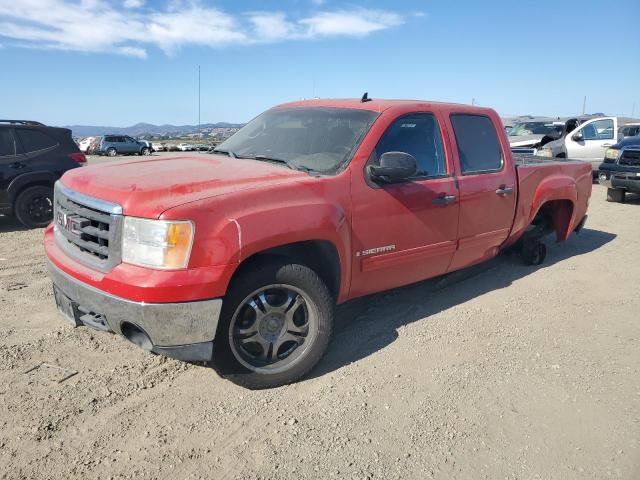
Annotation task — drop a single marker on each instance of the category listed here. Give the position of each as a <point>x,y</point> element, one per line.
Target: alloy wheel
<point>273,328</point>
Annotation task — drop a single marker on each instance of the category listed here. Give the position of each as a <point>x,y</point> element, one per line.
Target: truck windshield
<point>315,139</point>
<point>533,128</point>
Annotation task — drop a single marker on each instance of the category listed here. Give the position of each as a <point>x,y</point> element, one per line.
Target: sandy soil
<point>506,372</point>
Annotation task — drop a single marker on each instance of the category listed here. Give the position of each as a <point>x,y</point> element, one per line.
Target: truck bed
<point>523,159</point>
<point>542,180</point>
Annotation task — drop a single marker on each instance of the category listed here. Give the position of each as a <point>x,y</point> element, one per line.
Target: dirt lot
<point>506,372</point>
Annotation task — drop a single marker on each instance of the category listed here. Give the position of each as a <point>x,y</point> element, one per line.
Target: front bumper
<point>180,330</point>
<point>629,181</point>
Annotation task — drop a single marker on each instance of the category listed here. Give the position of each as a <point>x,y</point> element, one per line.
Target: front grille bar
<point>89,231</point>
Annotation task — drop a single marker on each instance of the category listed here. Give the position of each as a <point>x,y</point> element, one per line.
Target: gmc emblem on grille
<point>72,223</point>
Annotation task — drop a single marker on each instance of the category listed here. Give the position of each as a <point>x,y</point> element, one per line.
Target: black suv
<point>32,157</point>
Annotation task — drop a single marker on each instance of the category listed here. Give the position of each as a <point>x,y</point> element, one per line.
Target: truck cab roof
<point>380,105</point>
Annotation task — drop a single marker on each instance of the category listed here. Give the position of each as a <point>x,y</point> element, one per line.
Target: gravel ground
<point>504,371</point>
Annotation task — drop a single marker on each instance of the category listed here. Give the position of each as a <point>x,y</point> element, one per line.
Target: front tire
<point>111,152</point>
<point>615,195</point>
<point>145,151</point>
<point>34,206</point>
<point>275,325</point>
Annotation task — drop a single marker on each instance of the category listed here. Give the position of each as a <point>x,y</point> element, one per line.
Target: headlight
<point>611,153</point>
<point>544,152</point>
<point>162,244</point>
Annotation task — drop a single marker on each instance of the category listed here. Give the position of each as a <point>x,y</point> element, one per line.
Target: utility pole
<point>584,104</point>
<point>473,101</point>
<point>199,133</point>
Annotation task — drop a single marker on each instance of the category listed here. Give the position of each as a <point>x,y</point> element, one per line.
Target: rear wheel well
<point>319,255</point>
<point>555,215</point>
<point>36,183</point>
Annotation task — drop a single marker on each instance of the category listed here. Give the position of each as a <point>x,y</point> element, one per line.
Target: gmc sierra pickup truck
<point>239,257</point>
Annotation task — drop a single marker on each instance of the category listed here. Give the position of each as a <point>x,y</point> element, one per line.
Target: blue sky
<point>119,62</point>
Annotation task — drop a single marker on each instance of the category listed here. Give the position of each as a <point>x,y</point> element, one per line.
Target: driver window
<point>598,130</point>
<point>589,132</point>
<point>419,135</point>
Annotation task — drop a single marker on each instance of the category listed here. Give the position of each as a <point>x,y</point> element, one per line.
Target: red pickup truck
<point>239,257</point>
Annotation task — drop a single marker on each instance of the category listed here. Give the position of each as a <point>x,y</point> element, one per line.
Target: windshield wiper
<point>225,152</point>
<point>291,165</point>
<point>286,163</point>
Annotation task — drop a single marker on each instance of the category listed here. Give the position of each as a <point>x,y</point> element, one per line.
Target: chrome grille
<point>88,229</point>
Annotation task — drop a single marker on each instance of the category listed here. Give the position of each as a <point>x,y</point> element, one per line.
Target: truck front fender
<point>294,224</point>
<point>251,228</point>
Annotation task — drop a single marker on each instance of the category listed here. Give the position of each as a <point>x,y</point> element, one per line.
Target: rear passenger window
<point>478,145</point>
<point>33,140</point>
<point>419,135</point>
<point>7,144</point>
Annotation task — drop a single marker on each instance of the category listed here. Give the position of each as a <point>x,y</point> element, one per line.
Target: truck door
<point>591,139</point>
<point>405,232</point>
<point>487,183</point>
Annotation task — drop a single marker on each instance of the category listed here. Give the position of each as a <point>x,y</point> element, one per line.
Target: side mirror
<point>577,137</point>
<point>394,167</point>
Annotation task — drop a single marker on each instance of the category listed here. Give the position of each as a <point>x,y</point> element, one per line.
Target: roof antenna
<point>365,98</point>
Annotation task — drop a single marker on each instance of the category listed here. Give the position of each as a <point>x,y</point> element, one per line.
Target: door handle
<point>444,199</point>
<point>17,165</point>
<point>504,190</point>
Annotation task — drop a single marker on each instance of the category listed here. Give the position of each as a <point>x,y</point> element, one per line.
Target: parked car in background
<point>620,170</point>
<point>32,157</point>
<point>587,142</point>
<point>613,152</point>
<point>240,257</point>
<point>148,144</point>
<point>629,130</point>
<point>112,145</point>
<point>185,147</point>
<point>525,136</point>
<point>93,145</point>
<point>85,144</point>
<point>158,147</point>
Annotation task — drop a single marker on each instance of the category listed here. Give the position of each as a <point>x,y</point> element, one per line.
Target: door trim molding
<point>401,257</point>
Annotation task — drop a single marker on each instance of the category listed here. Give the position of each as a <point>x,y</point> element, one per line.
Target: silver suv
<point>112,145</point>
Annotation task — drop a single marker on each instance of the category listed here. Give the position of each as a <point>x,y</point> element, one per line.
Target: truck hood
<point>524,140</point>
<point>628,142</point>
<point>147,188</point>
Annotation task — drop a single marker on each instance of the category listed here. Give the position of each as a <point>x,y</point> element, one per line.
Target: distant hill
<point>147,129</point>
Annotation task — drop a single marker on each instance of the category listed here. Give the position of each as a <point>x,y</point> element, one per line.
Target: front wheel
<point>145,151</point>
<point>111,152</point>
<point>275,325</point>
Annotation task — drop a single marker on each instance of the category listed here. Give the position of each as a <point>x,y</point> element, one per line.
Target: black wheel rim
<point>273,328</point>
<point>40,208</point>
